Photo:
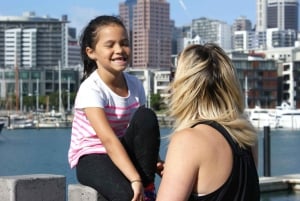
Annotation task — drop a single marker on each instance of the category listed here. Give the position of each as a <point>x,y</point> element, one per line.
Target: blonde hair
<point>206,87</point>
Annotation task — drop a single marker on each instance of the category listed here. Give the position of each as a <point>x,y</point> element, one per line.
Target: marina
<point>52,119</point>
<point>44,151</point>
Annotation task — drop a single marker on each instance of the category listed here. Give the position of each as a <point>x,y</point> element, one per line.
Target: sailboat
<point>54,119</point>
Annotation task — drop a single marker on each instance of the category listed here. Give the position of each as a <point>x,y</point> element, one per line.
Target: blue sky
<point>81,11</point>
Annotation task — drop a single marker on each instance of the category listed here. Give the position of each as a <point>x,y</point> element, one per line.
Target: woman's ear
<point>90,53</point>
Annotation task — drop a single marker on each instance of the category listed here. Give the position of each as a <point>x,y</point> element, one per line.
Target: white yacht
<point>282,117</point>
<point>261,117</point>
<point>288,118</point>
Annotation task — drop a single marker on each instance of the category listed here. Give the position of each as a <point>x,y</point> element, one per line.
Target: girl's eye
<point>108,44</point>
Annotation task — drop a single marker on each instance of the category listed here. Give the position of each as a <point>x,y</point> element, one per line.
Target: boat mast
<point>68,94</point>
<point>37,95</point>
<point>21,95</point>
<point>16,82</point>
<point>59,87</point>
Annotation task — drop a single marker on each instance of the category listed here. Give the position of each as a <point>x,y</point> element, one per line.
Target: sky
<point>80,12</point>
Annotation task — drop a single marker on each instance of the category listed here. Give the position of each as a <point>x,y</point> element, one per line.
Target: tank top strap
<point>223,131</point>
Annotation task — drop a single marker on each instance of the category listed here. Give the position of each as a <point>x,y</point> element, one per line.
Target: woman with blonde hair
<point>211,152</point>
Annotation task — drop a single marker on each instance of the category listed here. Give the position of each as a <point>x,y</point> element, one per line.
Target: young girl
<point>115,139</point>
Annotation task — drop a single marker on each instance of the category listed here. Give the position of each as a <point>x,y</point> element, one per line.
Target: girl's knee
<point>146,115</point>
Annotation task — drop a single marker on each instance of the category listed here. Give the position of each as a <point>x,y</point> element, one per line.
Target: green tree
<point>155,101</point>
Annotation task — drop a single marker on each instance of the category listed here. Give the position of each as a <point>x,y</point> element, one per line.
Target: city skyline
<point>181,11</point>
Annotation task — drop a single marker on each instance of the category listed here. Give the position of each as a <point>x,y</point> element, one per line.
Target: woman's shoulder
<point>196,135</point>
<point>198,131</point>
<point>201,137</point>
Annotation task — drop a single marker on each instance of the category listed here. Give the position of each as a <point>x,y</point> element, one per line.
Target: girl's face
<point>112,50</point>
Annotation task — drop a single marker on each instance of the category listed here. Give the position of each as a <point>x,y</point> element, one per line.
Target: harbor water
<point>44,151</point>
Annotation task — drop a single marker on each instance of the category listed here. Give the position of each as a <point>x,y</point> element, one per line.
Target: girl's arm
<point>114,148</point>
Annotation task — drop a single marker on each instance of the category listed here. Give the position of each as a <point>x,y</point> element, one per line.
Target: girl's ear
<point>90,53</point>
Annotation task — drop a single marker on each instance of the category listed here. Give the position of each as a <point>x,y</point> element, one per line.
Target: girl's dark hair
<point>89,39</point>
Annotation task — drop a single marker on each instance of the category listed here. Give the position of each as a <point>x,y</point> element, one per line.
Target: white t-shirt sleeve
<point>89,95</point>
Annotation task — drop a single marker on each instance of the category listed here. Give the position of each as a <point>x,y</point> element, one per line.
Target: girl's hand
<point>160,168</point>
<point>138,191</point>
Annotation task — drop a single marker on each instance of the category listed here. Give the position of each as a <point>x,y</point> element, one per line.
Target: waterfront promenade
<point>47,187</point>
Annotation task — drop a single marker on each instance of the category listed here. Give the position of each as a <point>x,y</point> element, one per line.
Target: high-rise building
<point>150,29</point>
<point>261,15</point>
<point>242,24</point>
<point>29,41</point>
<point>126,12</point>
<point>282,14</point>
<point>278,15</point>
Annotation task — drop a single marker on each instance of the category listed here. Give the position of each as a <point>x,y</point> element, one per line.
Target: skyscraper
<point>126,13</point>
<point>281,14</point>
<point>276,23</point>
<point>261,15</point>
<point>149,25</point>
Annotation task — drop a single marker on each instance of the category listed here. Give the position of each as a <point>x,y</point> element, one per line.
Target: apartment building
<point>243,40</point>
<point>211,30</point>
<point>32,50</point>
<point>30,41</point>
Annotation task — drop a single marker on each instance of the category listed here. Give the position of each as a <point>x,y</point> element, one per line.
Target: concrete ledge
<point>47,187</point>
<point>272,184</point>
<point>36,187</point>
<point>280,183</point>
<point>78,192</point>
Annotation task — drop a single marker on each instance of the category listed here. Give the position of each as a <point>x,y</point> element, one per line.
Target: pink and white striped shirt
<point>93,92</point>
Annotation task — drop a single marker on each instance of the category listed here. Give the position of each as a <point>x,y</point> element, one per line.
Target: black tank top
<point>243,182</point>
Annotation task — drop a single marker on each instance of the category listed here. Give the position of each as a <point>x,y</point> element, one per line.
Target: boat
<point>288,118</point>
<point>261,117</point>
<point>52,119</point>
<point>17,121</point>
<point>281,117</point>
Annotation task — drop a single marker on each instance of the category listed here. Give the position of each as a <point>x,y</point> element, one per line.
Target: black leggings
<point>141,141</point>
